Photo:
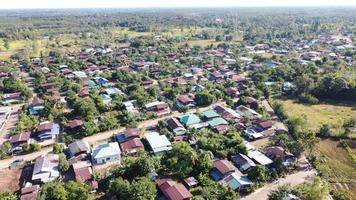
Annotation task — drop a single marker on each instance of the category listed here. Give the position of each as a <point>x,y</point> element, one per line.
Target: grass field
<point>329,112</point>
<point>339,165</point>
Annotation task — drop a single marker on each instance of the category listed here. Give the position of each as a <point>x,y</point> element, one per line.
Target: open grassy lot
<point>339,168</point>
<point>329,112</point>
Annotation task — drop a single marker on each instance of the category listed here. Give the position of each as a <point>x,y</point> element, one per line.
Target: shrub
<point>308,99</point>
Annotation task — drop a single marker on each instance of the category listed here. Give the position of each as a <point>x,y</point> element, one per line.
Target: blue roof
<point>190,119</point>
<point>35,110</point>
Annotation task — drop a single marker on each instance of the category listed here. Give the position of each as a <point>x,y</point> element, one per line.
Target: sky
<point>29,4</point>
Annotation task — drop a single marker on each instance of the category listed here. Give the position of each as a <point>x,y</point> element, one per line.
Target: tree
<point>63,163</point>
<point>7,44</point>
<point>5,150</point>
<point>58,148</point>
<point>258,173</point>
<point>280,111</point>
<point>324,131</point>
<point>314,191</point>
<point>7,196</point>
<point>180,161</point>
<point>78,191</point>
<point>57,190</point>
<point>204,98</point>
<point>141,188</point>
<point>54,191</point>
<point>280,193</point>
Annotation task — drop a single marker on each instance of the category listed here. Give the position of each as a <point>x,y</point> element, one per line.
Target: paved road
<point>296,178</point>
<point>100,137</point>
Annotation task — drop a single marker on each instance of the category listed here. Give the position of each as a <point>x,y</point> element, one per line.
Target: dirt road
<point>296,178</point>
<point>28,157</point>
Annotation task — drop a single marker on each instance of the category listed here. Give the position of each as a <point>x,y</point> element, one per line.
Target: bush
<point>308,99</point>
<point>58,148</point>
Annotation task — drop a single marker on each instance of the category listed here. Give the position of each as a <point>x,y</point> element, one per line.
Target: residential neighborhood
<point>158,116</point>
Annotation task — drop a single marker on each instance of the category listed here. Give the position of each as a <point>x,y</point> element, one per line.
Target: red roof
<point>265,124</point>
<point>131,145</point>
<point>173,190</point>
<point>22,137</point>
<point>251,100</point>
<point>75,123</point>
<point>45,126</point>
<point>83,174</point>
<point>223,128</point>
<point>185,99</point>
<point>131,132</point>
<point>173,123</point>
<point>224,166</point>
<point>37,101</point>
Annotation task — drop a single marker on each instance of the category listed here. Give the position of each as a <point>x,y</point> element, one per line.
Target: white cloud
<point>8,4</point>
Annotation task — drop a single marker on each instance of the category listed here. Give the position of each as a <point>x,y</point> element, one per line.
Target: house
<point>30,192</point>
<point>242,162</point>
<point>130,105</point>
<point>177,80</point>
<point>80,74</point>
<point>11,97</point>
<point>227,113</point>
<point>265,124</point>
<point>132,146</point>
<point>78,147</point>
<point>83,173</point>
<point>232,92</point>
<point>113,90</point>
<point>236,181</point>
<point>184,101</point>
<point>248,112</point>
<point>217,121</point>
<point>161,108</point>
<point>158,143</point>
<point>147,84</point>
<point>198,88</point>
<point>190,182</point>
<point>48,130</point>
<point>190,119</point>
<point>106,153</point>
<point>252,133</point>
<point>210,114</point>
<point>176,126</point>
<point>221,169</point>
<point>46,168</point>
<point>106,98</point>
<point>101,81</point>
<point>173,190</point>
<point>128,134</point>
<point>259,158</point>
<point>274,152</point>
<point>84,93</point>
<point>75,123</point>
<point>36,106</point>
<point>20,139</point>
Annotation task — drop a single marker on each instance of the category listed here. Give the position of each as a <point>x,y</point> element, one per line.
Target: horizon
<point>155,4</point>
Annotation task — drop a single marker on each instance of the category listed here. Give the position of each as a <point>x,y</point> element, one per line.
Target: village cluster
<point>192,95</point>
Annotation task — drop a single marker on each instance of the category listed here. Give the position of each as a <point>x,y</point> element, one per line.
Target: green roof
<point>217,121</point>
<point>241,181</point>
<point>210,114</point>
<point>190,119</point>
